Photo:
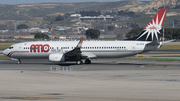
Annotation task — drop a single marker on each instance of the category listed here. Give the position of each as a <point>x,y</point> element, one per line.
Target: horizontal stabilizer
<point>153,43</point>
<point>168,41</point>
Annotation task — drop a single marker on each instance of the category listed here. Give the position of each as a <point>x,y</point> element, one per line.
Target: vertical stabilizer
<point>152,31</point>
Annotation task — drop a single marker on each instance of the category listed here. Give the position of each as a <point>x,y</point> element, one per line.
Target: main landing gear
<point>19,61</point>
<point>87,61</point>
<point>79,62</point>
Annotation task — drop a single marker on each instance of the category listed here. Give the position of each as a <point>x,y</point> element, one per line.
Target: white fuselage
<point>92,49</point>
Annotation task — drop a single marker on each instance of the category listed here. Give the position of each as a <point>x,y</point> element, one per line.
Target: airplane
<point>58,51</point>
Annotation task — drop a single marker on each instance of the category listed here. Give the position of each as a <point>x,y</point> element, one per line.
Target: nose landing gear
<point>19,61</point>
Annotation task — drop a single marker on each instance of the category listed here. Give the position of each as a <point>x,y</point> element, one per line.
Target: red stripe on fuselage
<point>116,51</point>
<point>18,52</point>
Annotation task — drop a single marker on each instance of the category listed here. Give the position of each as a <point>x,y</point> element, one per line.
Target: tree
<point>123,13</point>
<point>92,33</point>
<point>59,18</point>
<point>168,33</point>
<point>134,25</point>
<point>22,26</point>
<point>111,28</point>
<point>134,32</point>
<point>41,35</point>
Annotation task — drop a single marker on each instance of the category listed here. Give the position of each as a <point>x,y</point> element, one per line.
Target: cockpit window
<point>10,47</point>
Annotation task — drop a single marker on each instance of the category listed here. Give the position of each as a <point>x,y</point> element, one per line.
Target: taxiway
<point>125,79</point>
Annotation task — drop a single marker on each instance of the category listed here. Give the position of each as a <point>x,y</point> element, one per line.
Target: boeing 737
<point>57,51</point>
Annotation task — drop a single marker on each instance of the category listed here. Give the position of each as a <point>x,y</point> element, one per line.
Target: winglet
<point>80,43</point>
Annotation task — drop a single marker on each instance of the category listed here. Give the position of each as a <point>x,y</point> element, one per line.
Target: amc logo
<point>39,48</point>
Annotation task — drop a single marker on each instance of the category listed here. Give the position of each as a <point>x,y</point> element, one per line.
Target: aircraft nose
<point>5,52</point>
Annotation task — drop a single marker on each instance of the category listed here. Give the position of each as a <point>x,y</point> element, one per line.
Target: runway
<point>100,64</point>
<point>123,79</point>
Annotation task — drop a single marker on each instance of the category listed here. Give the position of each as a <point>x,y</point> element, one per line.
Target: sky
<point>13,2</point>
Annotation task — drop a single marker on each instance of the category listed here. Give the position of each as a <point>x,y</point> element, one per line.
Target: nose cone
<point>5,52</point>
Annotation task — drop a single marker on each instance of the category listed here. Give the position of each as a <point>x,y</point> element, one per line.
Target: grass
<point>4,57</point>
<point>63,23</point>
<point>5,45</point>
<point>169,47</point>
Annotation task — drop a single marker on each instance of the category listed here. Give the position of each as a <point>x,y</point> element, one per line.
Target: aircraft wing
<point>77,50</point>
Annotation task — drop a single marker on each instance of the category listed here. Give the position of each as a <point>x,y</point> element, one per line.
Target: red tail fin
<point>152,31</point>
<point>157,20</point>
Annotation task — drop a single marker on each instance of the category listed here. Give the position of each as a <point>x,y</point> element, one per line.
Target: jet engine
<point>57,57</point>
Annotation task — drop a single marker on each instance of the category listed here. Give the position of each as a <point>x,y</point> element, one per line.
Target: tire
<point>87,61</point>
<point>79,62</point>
<point>19,62</point>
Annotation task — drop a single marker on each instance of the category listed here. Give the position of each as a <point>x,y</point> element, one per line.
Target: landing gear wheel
<point>19,61</point>
<point>79,62</point>
<point>87,61</point>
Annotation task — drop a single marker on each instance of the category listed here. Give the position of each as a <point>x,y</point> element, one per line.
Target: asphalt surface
<point>122,79</point>
<point>100,64</point>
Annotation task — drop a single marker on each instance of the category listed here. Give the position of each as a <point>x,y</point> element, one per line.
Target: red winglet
<point>80,43</point>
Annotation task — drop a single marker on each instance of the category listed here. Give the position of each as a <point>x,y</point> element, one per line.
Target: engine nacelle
<point>58,57</point>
